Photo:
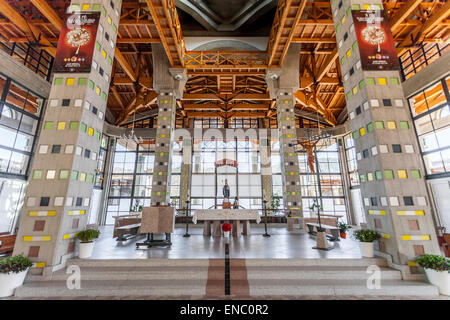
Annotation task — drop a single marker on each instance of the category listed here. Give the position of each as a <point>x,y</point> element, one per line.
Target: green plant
<point>275,203</point>
<point>88,235</point>
<point>343,227</point>
<point>15,264</point>
<point>316,206</point>
<point>366,235</point>
<point>434,261</point>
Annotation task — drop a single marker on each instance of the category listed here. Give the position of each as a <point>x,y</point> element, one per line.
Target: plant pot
<point>10,281</point>
<point>226,234</point>
<point>343,235</point>
<point>85,250</point>
<point>366,249</point>
<point>440,279</point>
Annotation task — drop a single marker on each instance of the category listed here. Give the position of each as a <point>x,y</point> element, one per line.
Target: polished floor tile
<point>281,245</point>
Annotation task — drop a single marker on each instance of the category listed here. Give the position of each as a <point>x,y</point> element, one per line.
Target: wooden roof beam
<point>403,13</point>
<point>18,20</point>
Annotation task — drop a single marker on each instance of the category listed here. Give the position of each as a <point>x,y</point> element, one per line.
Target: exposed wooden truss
<point>225,84</point>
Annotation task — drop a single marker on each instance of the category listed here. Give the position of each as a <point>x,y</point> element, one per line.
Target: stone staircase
<point>251,277</point>
<point>329,277</point>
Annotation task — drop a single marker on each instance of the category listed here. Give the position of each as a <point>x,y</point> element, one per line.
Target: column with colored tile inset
<point>391,177</point>
<point>266,169</point>
<point>164,137</point>
<point>62,175</point>
<point>289,157</point>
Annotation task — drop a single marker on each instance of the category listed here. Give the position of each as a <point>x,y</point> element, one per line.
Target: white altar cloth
<point>226,214</point>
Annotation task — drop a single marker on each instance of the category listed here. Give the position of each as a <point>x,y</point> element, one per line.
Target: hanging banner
<point>375,41</point>
<point>76,43</point>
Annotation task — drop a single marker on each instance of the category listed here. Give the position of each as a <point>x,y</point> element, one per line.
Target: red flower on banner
<point>226,227</point>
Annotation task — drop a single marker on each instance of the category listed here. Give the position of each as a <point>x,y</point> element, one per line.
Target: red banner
<point>76,43</point>
<point>375,41</point>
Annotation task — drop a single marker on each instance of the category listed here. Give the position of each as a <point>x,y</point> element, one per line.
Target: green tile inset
<point>91,84</point>
<point>48,125</point>
<point>379,125</point>
<point>74,175</point>
<point>370,81</point>
<point>388,174</point>
<point>378,175</point>
<point>58,81</point>
<point>404,125</point>
<point>74,125</point>
<point>83,127</point>
<point>355,134</point>
<point>415,174</point>
<point>37,174</point>
<point>64,174</point>
<point>362,178</point>
<point>394,81</point>
<point>370,127</point>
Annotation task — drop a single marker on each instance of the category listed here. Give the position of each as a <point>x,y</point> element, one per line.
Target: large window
<point>20,111</point>
<point>12,193</point>
<point>131,181</point>
<point>326,182</point>
<point>431,115</point>
<point>352,165</point>
<point>208,180</point>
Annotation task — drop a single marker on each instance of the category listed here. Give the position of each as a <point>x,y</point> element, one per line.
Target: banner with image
<point>76,43</point>
<point>375,41</point>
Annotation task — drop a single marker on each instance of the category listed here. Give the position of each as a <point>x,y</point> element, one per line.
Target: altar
<point>217,215</point>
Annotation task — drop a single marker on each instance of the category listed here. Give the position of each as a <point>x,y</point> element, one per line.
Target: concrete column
<point>186,171</point>
<point>391,171</point>
<point>266,169</point>
<point>283,83</point>
<point>59,194</point>
<point>169,83</point>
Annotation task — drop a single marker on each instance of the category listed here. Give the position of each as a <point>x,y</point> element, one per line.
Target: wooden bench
<point>126,226</point>
<point>127,232</point>
<point>333,230</point>
<point>7,244</point>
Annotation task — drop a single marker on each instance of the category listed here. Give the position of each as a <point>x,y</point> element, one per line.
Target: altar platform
<point>282,244</point>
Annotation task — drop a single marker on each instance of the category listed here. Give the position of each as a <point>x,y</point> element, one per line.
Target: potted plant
<point>275,203</point>
<point>437,271</point>
<point>226,228</point>
<point>343,227</point>
<point>366,238</point>
<point>13,271</point>
<point>86,238</point>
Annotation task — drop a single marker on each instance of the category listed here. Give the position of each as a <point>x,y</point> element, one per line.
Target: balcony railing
<point>415,59</point>
<point>37,60</point>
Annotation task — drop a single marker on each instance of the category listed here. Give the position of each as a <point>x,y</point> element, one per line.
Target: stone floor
<point>281,245</point>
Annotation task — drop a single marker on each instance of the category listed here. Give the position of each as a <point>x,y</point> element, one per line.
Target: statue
<point>226,190</point>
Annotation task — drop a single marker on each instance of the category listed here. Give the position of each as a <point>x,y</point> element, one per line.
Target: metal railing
<point>414,60</point>
<point>37,60</point>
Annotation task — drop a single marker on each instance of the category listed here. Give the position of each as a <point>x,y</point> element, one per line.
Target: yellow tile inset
<point>27,238</point>
<point>391,125</point>
<point>406,237</point>
<point>349,53</point>
<point>91,131</point>
<point>40,265</point>
<point>382,81</point>
<point>61,125</point>
<point>85,7</point>
<point>70,81</point>
<point>362,132</point>
<point>402,174</point>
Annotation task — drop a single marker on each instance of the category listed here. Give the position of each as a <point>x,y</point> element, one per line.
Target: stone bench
<point>333,230</point>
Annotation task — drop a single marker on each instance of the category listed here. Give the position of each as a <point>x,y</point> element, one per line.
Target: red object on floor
<point>226,227</point>
<point>343,235</point>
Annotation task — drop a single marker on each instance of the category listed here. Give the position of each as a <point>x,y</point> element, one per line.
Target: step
<point>188,263</point>
<point>316,262</point>
<point>134,273</point>
<point>113,288</point>
<point>339,287</point>
<point>318,272</point>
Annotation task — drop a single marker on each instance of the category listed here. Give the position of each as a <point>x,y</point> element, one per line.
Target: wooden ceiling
<point>225,84</point>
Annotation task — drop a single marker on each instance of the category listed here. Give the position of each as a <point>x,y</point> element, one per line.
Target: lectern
<point>157,220</point>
